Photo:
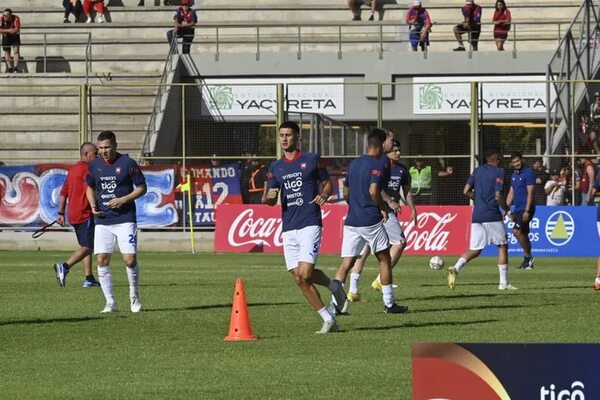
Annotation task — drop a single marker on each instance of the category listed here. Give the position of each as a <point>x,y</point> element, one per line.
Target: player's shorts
<point>486,233</point>
<point>10,40</point>
<point>394,230</point>
<point>415,39</point>
<point>520,224</point>
<point>85,233</point>
<point>356,237</point>
<point>301,245</point>
<point>124,234</point>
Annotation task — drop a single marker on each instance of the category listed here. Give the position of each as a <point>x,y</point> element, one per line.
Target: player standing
<point>521,197</point>
<point>397,190</point>
<point>297,176</point>
<point>367,212</point>
<point>595,189</point>
<point>114,182</point>
<point>80,217</point>
<point>484,187</point>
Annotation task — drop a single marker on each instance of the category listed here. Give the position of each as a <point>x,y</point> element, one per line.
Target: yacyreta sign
<point>507,95</point>
<point>505,371</point>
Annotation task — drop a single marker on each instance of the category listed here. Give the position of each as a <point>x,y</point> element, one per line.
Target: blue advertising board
<point>557,231</point>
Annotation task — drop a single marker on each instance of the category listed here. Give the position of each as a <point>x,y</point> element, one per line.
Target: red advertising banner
<point>441,230</point>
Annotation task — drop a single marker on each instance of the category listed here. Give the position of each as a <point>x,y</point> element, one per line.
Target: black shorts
<point>473,37</point>
<point>10,40</point>
<point>520,224</point>
<point>85,233</point>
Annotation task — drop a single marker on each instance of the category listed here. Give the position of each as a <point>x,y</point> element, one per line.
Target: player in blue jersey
<point>114,182</point>
<point>302,183</point>
<point>521,198</point>
<point>397,191</point>
<point>595,189</point>
<point>367,213</point>
<point>484,187</point>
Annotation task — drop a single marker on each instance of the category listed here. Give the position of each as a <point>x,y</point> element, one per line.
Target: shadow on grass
<point>426,324</point>
<point>458,284</point>
<point>477,307</point>
<point>49,321</point>
<point>214,306</point>
<point>454,296</point>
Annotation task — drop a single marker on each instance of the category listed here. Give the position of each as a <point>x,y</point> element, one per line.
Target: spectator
<point>420,26</point>
<point>71,7</point>
<point>555,189</point>
<point>98,5</point>
<point>185,19</point>
<point>10,27</point>
<point>595,109</point>
<point>421,179</point>
<point>256,183</point>
<point>374,5</point>
<point>541,177</point>
<point>588,176</point>
<point>246,168</point>
<point>471,25</point>
<point>572,186</point>
<point>443,188</point>
<point>501,21</point>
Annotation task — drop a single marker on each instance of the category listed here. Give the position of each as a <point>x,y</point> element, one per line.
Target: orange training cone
<point>239,326</point>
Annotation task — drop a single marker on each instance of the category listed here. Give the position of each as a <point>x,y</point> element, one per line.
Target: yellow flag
<point>184,187</point>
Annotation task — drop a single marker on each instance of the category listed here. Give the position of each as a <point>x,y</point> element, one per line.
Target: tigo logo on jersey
<point>560,228</point>
<point>550,393</point>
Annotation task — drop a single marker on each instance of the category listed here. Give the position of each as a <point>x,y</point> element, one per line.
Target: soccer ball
<point>436,262</point>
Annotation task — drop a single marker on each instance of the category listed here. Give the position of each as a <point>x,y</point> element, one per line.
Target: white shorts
<point>105,237</point>
<point>486,233</point>
<point>394,230</point>
<point>355,239</point>
<point>301,245</point>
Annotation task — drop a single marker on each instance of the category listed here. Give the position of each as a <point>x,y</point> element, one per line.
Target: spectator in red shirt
<point>501,21</point>
<point>471,25</point>
<point>588,177</point>
<point>98,5</point>
<point>185,19</point>
<point>80,217</point>
<point>10,27</point>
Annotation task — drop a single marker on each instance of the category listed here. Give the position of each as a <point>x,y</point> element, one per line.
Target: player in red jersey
<point>80,217</point>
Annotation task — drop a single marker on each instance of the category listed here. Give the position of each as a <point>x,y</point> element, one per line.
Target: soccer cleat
<point>394,309</point>
<point>451,277</point>
<point>136,305</point>
<point>328,327</point>
<point>88,283</point>
<point>376,285</point>
<point>354,297</point>
<point>61,274</point>
<point>341,303</point>
<point>527,263</point>
<point>109,308</point>
<point>508,286</point>
<point>597,285</point>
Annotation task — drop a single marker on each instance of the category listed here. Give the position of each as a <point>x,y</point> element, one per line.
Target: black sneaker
<point>356,18</point>
<point>66,21</point>
<point>395,309</point>
<point>527,263</point>
<point>459,48</point>
<point>141,3</point>
<point>9,70</point>
<point>372,18</point>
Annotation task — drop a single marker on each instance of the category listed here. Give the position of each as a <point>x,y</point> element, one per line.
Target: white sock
<point>325,314</point>
<point>598,279</point>
<point>105,279</point>
<point>354,278</point>
<point>503,270</point>
<point>459,264</point>
<point>388,295</point>
<point>133,276</point>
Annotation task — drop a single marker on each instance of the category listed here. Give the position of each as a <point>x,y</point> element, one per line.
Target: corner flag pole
<point>187,187</point>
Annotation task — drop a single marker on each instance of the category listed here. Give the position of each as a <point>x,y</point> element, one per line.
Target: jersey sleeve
<point>499,182</point>
<point>378,174</point>
<point>530,178</point>
<point>272,182</point>
<point>89,177</point>
<point>137,176</point>
<point>64,191</point>
<point>194,17</point>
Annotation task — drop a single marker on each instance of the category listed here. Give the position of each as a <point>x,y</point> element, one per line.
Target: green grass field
<point>54,344</point>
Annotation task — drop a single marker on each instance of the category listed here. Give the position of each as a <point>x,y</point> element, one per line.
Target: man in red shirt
<point>588,176</point>
<point>10,27</point>
<point>80,217</point>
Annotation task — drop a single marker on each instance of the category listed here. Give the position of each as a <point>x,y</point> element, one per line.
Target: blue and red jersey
<point>486,180</point>
<point>519,181</point>
<point>111,181</point>
<point>399,177</point>
<point>298,180</point>
<point>362,172</point>
<point>185,18</point>
<point>472,12</point>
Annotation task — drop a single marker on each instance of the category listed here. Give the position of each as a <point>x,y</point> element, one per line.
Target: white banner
<point>515,94</point>
<point>256,97</point>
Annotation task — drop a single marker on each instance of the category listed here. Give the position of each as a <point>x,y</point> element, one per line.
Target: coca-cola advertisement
<point>442,230</point>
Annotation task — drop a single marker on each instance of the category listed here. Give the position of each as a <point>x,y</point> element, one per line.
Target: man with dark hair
<point>471,25</point>
<point>10,27</point>
<point>484,187</point>
<point>520,197</point>
<point>302,183</point>
<point>80,217</point>
<point>367,212</point>
<point>114,182</point>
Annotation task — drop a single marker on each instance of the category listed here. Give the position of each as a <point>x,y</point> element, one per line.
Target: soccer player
<point>521,197</point>
<point>80,217</point>
<point>595,189</point>
<point>397,190</point>
<point>296,178</point>
<point>367,212</point>
<point>114,182</point>
<point>484,187</point>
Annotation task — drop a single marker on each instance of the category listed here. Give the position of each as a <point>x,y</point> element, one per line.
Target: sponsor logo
<point>294,185</point>
<point>221,98</point>
<point>430,232</point>
<point>108,186</point>
<point>118,170</point>
<point>430,97</point>
<point>560,228</point>
<point>246,230</point>
<point>552,393</point>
